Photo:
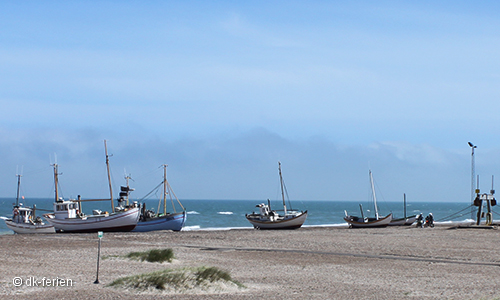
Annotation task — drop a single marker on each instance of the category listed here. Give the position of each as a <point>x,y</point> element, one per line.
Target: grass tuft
<point>154,255</point>
<point>178,280</point>
<point>211,274</point>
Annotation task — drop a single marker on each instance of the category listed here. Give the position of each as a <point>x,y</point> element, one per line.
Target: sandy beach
<point>311,263</point>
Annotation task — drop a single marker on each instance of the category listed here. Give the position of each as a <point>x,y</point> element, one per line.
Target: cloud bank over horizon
<point>237,166</point>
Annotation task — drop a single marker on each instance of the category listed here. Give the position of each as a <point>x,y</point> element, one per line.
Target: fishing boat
<point>151,221</point>
<point>68,215</point>
<point>277,219</point>
<point>405,221</point>
<point>362,222</point>
<point>24,219</point>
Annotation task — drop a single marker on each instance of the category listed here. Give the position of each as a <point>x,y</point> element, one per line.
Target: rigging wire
<point>286,193</point>
<point>152,191</point>
<point>495,212</point>
<point>452,216</point>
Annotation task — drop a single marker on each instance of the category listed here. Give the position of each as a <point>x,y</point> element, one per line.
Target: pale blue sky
<point>223,90</point>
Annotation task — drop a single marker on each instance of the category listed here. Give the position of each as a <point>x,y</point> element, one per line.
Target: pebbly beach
<point>312,262</point>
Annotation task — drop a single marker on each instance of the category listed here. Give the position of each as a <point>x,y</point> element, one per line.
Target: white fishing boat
<point>362,222</point>
<point>24,219</point>
<point>277,219</point>
<point>67,218</point>
<point>406,220</point>
<point>68,215</point>
<point>152,221</point>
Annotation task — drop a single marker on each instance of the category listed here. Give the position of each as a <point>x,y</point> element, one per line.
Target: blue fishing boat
<point>151,221</point>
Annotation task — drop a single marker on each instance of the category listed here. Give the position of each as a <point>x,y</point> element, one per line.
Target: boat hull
<point>356,222</point>
<point>173,222</point>
<point>410,220</point>
<point>26,228</point>
<point>118,222</point>
<point>403,221</point>
<point>287,223</point>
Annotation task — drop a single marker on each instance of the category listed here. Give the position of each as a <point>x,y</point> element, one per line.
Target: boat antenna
<point>127,178</point>
<point>109,177</point>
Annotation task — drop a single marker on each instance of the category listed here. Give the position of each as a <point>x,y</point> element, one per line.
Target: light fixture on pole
<point>473,170</point>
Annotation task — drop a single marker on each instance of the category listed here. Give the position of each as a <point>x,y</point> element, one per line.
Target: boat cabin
<point>264,209</point>
<point>22,214</point>
<point>66,209</point>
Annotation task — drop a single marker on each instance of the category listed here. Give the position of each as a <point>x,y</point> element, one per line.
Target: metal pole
<point>98,256</point>
<point>473,188</point>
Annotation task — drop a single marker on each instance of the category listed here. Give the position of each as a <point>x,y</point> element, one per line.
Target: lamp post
<point>473,170</point>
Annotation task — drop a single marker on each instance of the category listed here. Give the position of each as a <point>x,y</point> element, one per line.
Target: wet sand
<point>311,263</point>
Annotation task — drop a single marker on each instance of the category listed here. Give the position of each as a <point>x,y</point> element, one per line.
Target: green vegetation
<point>154,255</point>
<point>178,280</point>
<point>211,274</point>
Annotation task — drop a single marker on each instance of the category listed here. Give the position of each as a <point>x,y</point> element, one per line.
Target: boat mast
<point>18,186</point>
<point>109,177</point>
<point>282,191</point>
<point>56,181</point>
<point>404,196</point>
<point>165,189</point>
<point>374,196</point>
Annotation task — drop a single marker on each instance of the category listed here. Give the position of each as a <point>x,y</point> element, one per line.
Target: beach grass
<point>154,255</point>
<point>179,280</point>
<point>212,274</point>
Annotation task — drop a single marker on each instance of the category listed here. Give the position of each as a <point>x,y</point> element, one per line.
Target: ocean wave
<point>225,213</point>
<point>193,212</point>
<point>190,228</point>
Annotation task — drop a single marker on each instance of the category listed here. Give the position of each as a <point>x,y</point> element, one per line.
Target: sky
<point>223,90</point>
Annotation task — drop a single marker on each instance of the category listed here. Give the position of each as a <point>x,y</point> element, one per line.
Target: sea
<point>230,214</point>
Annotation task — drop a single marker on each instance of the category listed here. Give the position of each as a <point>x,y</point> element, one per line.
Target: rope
<point>495,212</point>
<point>287,197</point>
<point>450,216</point>
<point>48,210</point>
<point>154,190</point>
